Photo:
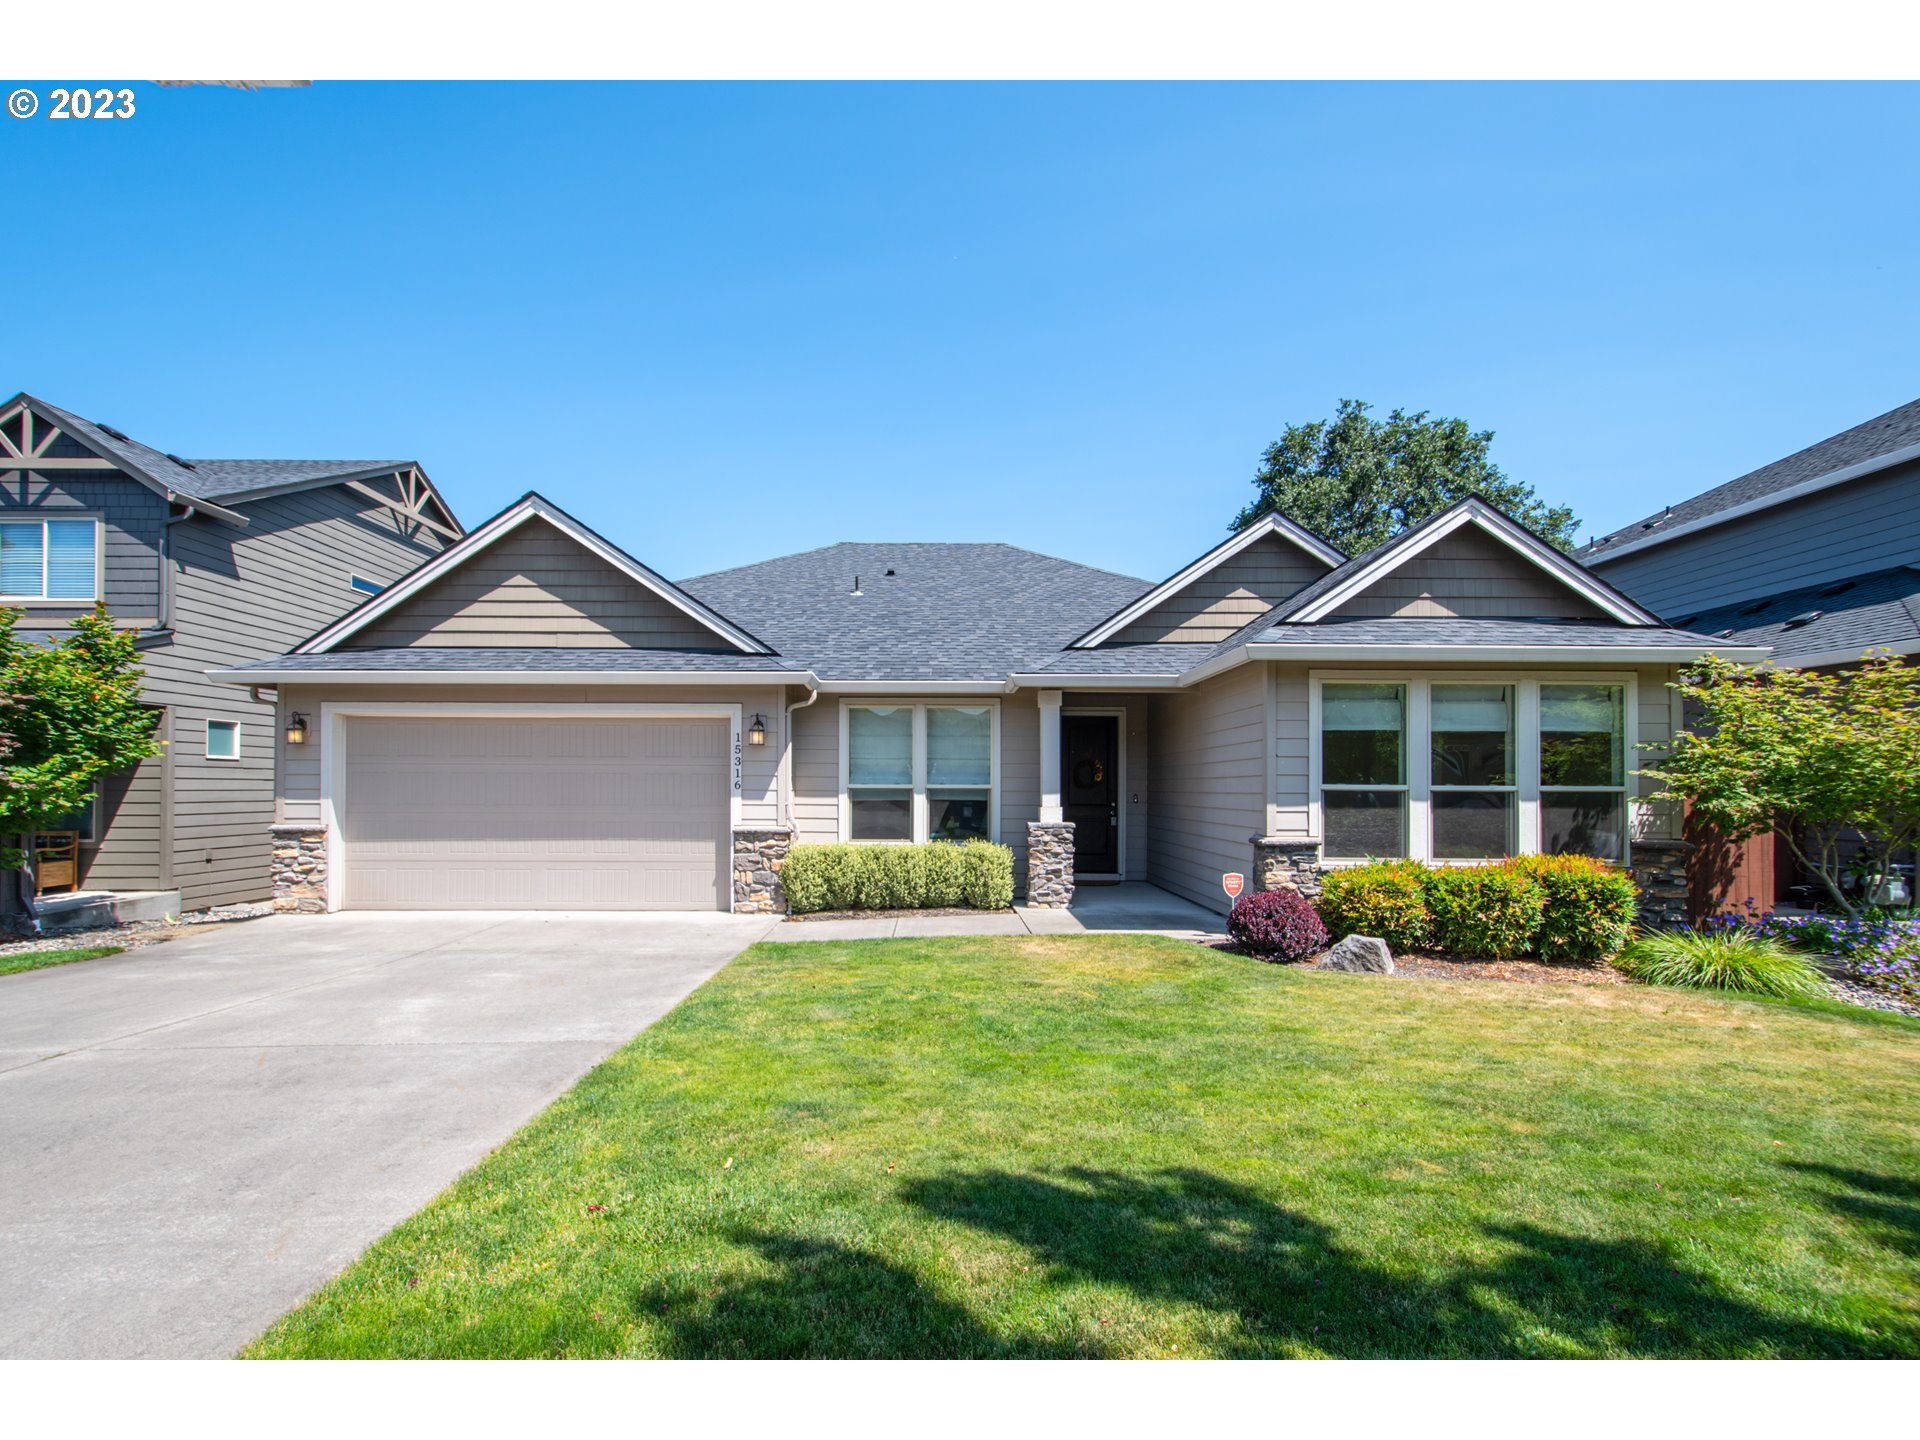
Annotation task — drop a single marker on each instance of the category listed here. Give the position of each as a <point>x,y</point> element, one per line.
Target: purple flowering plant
<point>1880,948</point>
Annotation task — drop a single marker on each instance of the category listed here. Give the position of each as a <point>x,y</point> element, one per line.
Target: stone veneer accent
<point>759,852</point>
<point>1659,869</point>
<point>1049,864</point>
<point>1284,864</point>
<point>299,868</point>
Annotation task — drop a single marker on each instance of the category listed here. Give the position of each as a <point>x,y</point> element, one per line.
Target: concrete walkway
<point>193,1135</point>
<point>1131,908</point>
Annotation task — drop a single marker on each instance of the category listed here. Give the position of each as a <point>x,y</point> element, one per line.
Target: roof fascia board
<point>913,687</point>
<point>1513,536</point>
<point>1505,654</point>
<point>1271,523</point>
<point>1068,681</point>
<point>1763,502</point>
<point>258,675</point>
<point>508,520</point>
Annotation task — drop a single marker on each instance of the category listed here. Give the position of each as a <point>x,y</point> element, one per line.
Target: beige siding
<point>241,595</point>
<point>1469,573</point>
<point>536,586</point>
<point>1233,593</point>
<point>1210,783</point>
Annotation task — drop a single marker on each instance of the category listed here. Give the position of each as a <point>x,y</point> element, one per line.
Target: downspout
<point>786,754</point>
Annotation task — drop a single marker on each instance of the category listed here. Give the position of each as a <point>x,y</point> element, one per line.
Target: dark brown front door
<point>1090,790</point>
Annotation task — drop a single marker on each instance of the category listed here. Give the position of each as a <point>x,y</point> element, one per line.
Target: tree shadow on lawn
<point>1887,1205</point>
<point>1184,1238</point>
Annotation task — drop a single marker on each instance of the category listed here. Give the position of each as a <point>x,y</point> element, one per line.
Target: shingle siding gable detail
<point>1239,589</point>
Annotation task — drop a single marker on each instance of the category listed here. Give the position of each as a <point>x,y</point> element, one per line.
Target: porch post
<point>1050,811</point>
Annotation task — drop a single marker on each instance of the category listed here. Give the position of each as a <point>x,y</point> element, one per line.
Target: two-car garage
<point>463,812</point>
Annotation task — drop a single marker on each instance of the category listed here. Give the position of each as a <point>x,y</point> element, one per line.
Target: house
<point>208,563</point>
<point>1816,556</point>
<point>535,719</point>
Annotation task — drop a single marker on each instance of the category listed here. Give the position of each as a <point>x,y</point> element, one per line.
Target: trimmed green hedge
<point>935,876</point>
<point>1559,907</point>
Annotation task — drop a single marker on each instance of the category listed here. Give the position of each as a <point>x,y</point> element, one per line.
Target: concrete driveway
<point>195,1134</point>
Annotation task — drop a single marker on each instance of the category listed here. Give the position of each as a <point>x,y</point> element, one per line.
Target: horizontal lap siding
<point>132,821</point>
<point>1469,574</point>
<point>1852,529</point>
<point>1238,590</point>
<point>241,595</point>
<point>1210,783</point>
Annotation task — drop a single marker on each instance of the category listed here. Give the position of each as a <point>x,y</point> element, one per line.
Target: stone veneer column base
<point>759,852</point>
<point>1286,864</point>
<point>1659,870</point>
<point>300,868</point>
<point>1049,864</point>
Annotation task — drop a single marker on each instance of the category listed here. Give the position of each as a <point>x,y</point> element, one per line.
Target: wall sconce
<point>296,729</point>
<point>757,730</point>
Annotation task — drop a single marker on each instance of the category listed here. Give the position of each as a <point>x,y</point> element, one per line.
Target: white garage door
<point>449,814</point>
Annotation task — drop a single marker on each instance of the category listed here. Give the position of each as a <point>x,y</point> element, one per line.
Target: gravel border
<point>140,932</point>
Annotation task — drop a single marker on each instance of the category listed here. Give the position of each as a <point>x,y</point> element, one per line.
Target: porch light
<point>757,730</point>
<point>296,729</point>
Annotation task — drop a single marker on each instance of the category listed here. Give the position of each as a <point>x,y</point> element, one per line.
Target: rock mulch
<point>140,932</point>
<point>1854,993</point>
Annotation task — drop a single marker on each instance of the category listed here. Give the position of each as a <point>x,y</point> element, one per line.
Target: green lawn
<point>40,959</point>
<point>1131,1146</point>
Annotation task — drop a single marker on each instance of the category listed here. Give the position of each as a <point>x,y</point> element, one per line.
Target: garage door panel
<point>536,814</point>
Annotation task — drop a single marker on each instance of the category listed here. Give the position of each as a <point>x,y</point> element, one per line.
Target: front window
<point>1583,763</point>
<point>1363,770</point>
<point>1475,798</point>
<point>49,559</point>
<point>919,772</point>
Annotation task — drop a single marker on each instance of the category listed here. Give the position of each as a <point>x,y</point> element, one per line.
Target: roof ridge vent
<point>183,464</point>
<point>119,435</point>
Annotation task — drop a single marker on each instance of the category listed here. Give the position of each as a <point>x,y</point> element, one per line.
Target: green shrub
<point>1485,910</point>
<point>898,877</point>
<point>1728,960</point>
<point>1589,905</point>
<point>1387,899</point>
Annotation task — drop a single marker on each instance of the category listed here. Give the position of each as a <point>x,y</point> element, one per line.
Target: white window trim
<point>358,584</point>
<point>920,807</point>
<point>208,725</point>
<point>1419,757</point>
<point>99,560</point>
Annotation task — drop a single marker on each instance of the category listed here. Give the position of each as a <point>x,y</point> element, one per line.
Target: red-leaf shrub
<point>1277,925</point>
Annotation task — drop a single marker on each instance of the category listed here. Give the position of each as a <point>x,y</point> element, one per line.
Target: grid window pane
<point>1363,824</point>
<point>1574,822</point>
<point>880,745</point>
<point>959,745</point>
<point>1472,734</point>
<point>1582,735</point>
<point>20,555</point>
<point>1472,824</point>
<point>957,814</point>
<point>1362,729</point>
<point>880,814</point>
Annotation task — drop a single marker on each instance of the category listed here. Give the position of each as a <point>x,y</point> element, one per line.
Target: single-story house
<point>535,719</point>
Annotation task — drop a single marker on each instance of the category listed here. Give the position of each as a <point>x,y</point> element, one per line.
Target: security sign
<point>1233,884</point>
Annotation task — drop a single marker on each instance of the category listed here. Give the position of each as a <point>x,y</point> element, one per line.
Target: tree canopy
<point>1356,481</point>
<point>1827,761</point>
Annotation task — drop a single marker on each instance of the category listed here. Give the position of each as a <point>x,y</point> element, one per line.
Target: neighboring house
<point>208,563</point>
<point>1816,556</point>
<point>536,719</point>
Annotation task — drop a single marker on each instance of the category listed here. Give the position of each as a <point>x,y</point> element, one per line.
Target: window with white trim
<point>223,739</point>
<point>49,559</point>
<point>1464,768</point>
<point>919,772</point>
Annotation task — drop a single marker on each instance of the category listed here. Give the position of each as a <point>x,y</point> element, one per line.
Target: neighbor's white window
<point>223,740</point>
<point>1472,769</point>
<point>49,559</point>
<point>919,772</point>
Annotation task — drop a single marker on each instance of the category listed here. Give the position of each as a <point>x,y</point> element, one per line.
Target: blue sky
<point>724,323</point>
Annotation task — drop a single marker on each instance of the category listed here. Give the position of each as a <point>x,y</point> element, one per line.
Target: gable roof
<point>217,482</point>
<point>1871,446</point>
<point>530,506</point>
<point>1319,600</point>
<point>1271,523</point>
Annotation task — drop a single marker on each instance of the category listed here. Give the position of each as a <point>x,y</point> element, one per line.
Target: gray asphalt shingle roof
<point>1422,631</point>
<point>1881,609</point>
<point>1896,430</point>
<point>1171,657</point>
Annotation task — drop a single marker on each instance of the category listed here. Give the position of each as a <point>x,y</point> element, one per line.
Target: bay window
<point>49,559</point>
<point>919,772</point>
<point>1465,768</point>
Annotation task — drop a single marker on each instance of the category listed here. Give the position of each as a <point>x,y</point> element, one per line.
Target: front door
<point>1090,781</point>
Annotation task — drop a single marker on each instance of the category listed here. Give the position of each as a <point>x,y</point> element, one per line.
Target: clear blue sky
<point>727,323</point>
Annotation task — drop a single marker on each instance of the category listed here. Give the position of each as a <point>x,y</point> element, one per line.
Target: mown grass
<point>1126,1146</point>
<point>40,959</point>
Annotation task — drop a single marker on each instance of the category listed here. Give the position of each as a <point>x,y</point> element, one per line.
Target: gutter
<point>1504,654</point>
<point>255,675</point>
<point>786,756</point>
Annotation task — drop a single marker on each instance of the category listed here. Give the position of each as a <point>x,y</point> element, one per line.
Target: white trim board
<point>1515,537</point>
<point>1271,523</point>
<point>333,749</point>
<point>531,508</point>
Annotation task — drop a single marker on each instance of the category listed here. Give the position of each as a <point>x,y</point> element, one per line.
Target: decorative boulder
<point>1361,954</point>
